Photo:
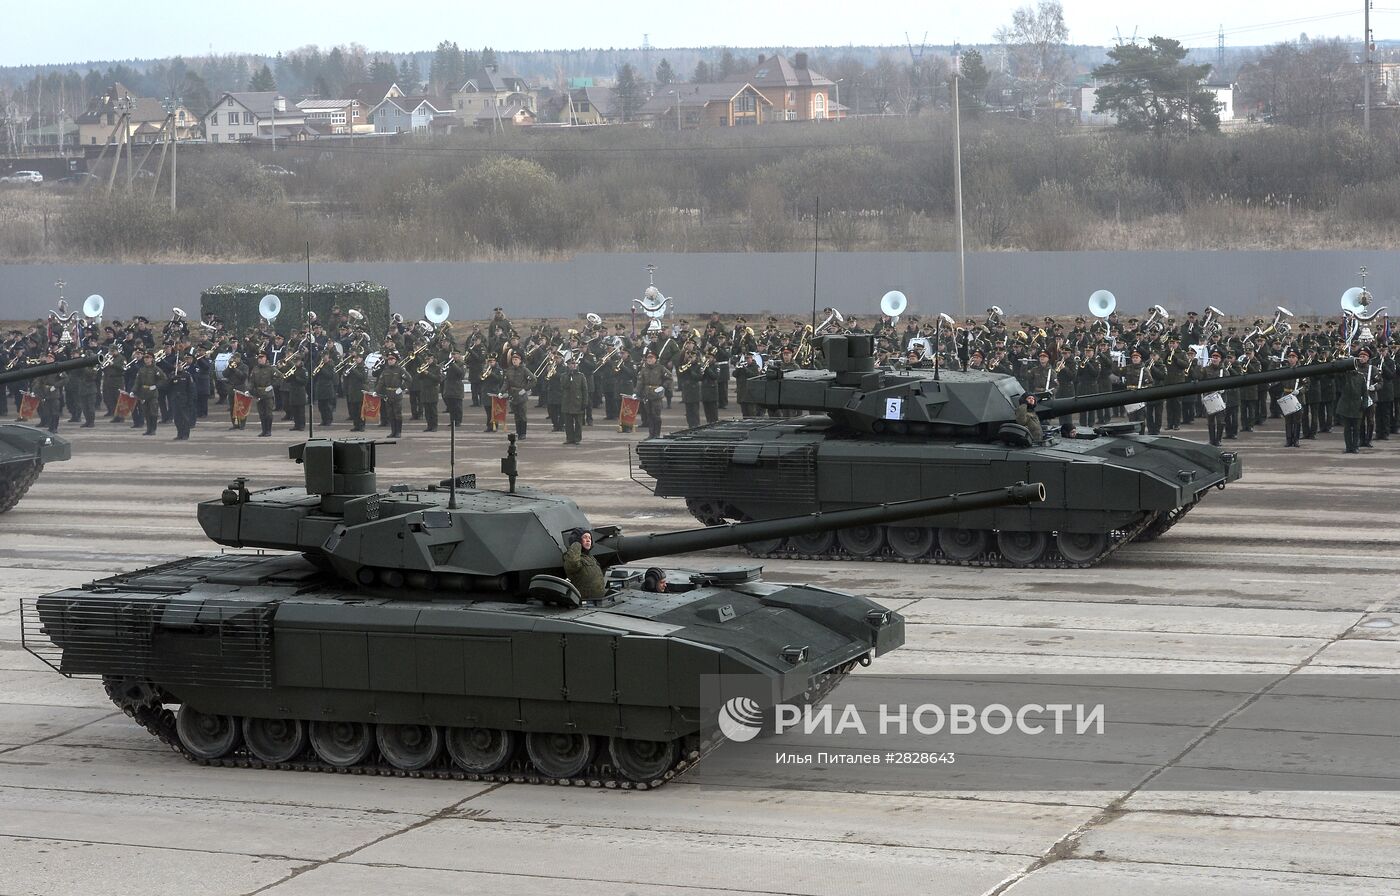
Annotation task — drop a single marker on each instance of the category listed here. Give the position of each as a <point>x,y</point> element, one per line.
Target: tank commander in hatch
<point>1026,416</point>
<point>581,568</point>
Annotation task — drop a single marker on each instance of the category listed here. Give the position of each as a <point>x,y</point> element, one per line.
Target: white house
<point>341,116</point>
<point>407,114</point>
<point>236,117</point>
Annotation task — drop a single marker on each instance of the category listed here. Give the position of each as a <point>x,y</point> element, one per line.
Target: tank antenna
<point>508,462</point>
<point>310,343</point>
<point>816,243</point>
<point>452,463</point>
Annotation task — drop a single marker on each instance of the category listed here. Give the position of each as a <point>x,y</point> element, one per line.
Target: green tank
<point>25,449</point>
<point>430,631</point>
<point>865,435</point>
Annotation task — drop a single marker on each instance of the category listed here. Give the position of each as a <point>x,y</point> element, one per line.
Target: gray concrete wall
<point>1020,282</point>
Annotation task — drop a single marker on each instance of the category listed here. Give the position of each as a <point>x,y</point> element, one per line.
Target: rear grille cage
<point>708,471</point>
<point>206,643</point>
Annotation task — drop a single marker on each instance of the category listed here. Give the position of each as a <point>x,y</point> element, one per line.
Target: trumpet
<point>287,363</point>
<point>321,364</point>
<point>603,363</point>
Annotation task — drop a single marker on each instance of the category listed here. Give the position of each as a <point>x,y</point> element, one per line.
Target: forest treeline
<point>882,185</point>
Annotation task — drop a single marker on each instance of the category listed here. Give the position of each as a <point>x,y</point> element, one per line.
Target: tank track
<point>1165,521</point>
<point>1050,559</point>
<point>15,480</point>
<point>159,721</point>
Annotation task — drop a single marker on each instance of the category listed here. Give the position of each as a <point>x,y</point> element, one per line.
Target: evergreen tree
<point>702,73</point>
<point>408,77</point>
<point>382,72</point>
<point>629,93</point>
<point>471,64</point>
<point>664,74</point>
<point>445,72</point>
<point>972,86</point>
<point>194,93</point>
<point>488,56</point>
<point>728,67</point>
<point>263,80</point>
<point>323,90</point>
<point>1150,89</point>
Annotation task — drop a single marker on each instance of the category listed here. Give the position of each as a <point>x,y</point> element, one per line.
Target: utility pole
<point>957,188</point>
<point>1366,70</point>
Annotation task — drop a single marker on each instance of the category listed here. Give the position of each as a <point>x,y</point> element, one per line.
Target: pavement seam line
<point>441,814</point>
<point>1063,847</point>
<point>63,733</point>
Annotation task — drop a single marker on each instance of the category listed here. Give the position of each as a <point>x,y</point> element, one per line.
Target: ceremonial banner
<point>28,406</point>
<point>242,404</point>
<point>369,408</point>
<point>499,404</point>
<point>126,404</point>
<point>628,415</point>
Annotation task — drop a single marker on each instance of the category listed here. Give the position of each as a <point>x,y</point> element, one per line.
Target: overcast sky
<point>79,30</point>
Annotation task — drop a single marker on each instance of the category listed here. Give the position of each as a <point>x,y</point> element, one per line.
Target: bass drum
<point>221,363</point>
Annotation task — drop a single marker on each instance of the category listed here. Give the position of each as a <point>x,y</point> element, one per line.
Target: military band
<point>152,374</point>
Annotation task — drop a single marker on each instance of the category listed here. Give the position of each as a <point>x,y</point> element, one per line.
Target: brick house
<point>796,92</point>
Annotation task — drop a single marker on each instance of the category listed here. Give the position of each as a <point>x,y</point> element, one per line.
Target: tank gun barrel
<point>1059,407</point>
<point>639,547</point>
<point>30,371</point>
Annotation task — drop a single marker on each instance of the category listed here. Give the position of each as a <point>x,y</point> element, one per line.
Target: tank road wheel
<point>206,736</point>
<point>862,541</point>
<point>642,760</point>
<point>711,513</point>
<point>764,546</point>
<point>559,755</point>
<point>962,544</point>
<point>814,543</point>
<point>480,750</point>
<point>342,744</point>
<point>1081,547</point>
<point>910,542</point>
<point>275,740</point>
<point>1021,548</point>
<point>409,747</point>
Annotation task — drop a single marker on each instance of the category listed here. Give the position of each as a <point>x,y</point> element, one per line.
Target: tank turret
<point>428,631</point>
<point>490,540</point>
<point>851,433</point>
<point>25,449</point>
<point>949,403</point>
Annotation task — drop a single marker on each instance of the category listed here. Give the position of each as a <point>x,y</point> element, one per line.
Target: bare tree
<point>1036,45</point>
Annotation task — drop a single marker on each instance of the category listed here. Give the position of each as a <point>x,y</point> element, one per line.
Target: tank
<point>431,631</point>
<point>25,449</point>
<point>865,435</point>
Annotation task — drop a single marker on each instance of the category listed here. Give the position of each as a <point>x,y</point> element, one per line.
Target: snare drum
<point>1289,404</point>
<point>1213,402</point>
